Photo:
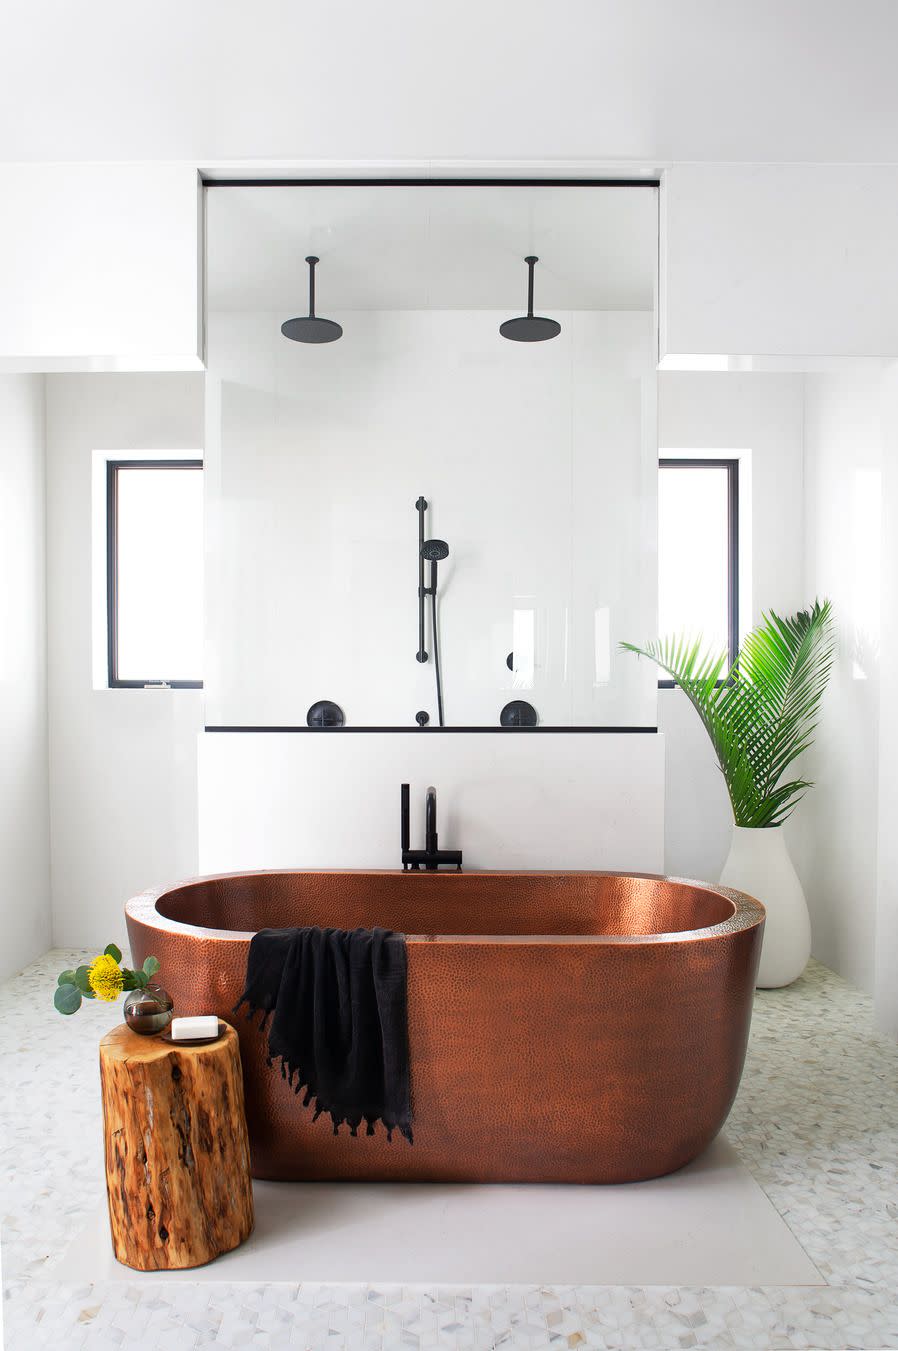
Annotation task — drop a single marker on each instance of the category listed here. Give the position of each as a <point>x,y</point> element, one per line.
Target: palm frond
<point>763,715</point>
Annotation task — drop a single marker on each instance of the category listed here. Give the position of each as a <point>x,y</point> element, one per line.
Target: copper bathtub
<point>563,1027</point>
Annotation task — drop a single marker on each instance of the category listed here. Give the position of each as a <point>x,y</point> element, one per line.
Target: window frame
<point>112,470</point>
<point>731,465</point>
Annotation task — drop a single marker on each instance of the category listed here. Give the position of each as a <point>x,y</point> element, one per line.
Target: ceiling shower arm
<point>312,260</point>
<point>308,327</point>
<point>530,327</point>
<point>531,262</point>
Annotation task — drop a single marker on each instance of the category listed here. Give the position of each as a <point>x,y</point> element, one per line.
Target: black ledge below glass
<point>431,730</point>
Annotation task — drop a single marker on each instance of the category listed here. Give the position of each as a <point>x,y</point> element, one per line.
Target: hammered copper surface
<point>563,1027</point>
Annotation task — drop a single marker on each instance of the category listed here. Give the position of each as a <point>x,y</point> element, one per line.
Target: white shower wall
<point>24,793</point>
<point>539,462</point>
<point>835,834</point>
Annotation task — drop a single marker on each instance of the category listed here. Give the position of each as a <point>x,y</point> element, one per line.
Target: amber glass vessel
<point>149,1010</point>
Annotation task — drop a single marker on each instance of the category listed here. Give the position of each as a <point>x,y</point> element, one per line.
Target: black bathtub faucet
<point>431,856</point>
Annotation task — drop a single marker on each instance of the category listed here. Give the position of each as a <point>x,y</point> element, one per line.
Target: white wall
<point>539,462</point>
<point>761,266</point>
<point>823,517</point>
<point>762,415</point>
<point>122,762</point>
<point>885,997</point>
<point>834,831</point>
<point>24,803</point>
<point>628,84</point>
<point>506,799</point>
<point>786,264</point>
<point>100,267</point>
<point>696,80</point>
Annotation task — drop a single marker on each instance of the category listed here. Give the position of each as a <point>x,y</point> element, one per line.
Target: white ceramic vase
<point>759,864</point>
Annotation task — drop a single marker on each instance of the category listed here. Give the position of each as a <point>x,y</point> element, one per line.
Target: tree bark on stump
<point>177,1152</point>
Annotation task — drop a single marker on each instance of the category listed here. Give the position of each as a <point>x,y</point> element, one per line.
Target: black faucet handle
<point>405,829</point>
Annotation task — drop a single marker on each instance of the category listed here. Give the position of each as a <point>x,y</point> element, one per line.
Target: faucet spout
<point>431,857</point>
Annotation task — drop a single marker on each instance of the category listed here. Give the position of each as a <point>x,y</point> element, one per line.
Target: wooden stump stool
<point>177,1152</point>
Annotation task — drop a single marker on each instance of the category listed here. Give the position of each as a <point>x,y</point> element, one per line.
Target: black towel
<point>340,1024</point>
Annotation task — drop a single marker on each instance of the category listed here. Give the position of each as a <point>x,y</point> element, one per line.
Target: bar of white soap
<point>194,1029</point>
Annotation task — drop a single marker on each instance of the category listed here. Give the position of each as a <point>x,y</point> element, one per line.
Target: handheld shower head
<point>431,551</point>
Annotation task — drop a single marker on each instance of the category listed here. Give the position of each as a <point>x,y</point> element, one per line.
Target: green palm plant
<point>762,714</point>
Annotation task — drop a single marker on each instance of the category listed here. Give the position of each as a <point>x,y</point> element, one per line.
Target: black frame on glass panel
<point>731,465</point>
<point>112,471</point>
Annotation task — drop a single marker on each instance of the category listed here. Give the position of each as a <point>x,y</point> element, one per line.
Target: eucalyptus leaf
<point>67,998</point>
<point>112,951</point>
<point>129,981</point>
<point>140,979</point>
<point>82,980</point>
<point>151,966</point>
<point>66,978</point>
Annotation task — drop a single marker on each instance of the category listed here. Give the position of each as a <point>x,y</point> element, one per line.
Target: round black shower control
<point>518,714</point>
<point>422,717</point>
<point>509,661</point>
<point>325,714</point>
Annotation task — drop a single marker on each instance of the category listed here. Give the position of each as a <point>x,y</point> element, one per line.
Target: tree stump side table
<point>177,1151</point>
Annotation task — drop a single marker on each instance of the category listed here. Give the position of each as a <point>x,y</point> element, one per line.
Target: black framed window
<point>698,551</point>
<point>154,573</point>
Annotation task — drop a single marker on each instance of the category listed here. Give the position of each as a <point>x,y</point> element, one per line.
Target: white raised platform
<point>509,800</point>
<point>709,1225</point>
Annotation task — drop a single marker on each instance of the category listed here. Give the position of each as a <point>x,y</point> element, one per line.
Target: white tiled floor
<point>816,1122</point>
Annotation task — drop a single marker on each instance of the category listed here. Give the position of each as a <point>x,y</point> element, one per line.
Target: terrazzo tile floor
<point>816,1123</point>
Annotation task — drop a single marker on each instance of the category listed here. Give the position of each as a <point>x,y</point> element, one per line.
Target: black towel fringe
<point>264,1014</point>
<point>290,1073</point>
<point>260,1014</point>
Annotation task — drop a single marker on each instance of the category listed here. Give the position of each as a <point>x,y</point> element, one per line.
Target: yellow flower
<point>105,978</point>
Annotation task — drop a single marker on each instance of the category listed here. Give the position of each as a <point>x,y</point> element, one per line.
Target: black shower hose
<point>436,656</point>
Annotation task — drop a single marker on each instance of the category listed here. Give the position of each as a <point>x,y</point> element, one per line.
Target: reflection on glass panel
<point>536,460</point>
<point>866,590</point>
<point>602,620</point>
<point>523,628</point>
<point>693,552</point>
<point>159,535</point>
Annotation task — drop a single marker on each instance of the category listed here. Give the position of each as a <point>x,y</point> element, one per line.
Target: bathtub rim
<point>748,911</point>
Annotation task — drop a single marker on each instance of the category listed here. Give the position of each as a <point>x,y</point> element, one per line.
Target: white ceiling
<point>399,248</point>
<point>610,80</point>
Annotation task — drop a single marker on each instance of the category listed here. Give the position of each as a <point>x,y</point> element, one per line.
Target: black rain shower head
<point>308,327</point>
<point>530,327</point>
<point>434,550</point>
